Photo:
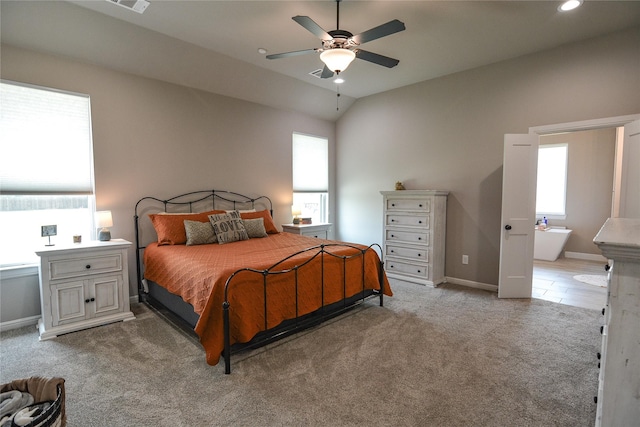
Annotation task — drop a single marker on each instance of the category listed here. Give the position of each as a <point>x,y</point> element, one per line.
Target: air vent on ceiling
<point>135,5</point>
<point>317,73</point>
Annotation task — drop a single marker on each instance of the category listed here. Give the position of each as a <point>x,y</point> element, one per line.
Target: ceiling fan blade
<point>383,30</point>
<point>311,26</point>
<point>385,61</point>
<point>288,54</point>
<point>326,73</point>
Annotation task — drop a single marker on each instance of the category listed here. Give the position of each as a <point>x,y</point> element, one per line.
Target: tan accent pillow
<point>199,233</point>
<point>269,226</point>
<point>255,227</point>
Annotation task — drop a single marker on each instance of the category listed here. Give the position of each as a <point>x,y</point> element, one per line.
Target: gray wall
<point>589,185</point>
<point>161,139</point>
<point>155,138</point>
<point>448,134</point>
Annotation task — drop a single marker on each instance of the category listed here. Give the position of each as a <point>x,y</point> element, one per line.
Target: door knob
<point>507,227</point>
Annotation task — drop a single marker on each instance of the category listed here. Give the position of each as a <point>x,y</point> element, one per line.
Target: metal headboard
<point>192,202</point>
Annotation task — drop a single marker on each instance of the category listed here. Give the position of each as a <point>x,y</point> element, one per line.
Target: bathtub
<point>548,244</point>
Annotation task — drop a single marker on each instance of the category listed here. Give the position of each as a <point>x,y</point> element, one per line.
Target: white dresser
<point>414,235</point>
<point>618,401</point>
<point>83,286</point>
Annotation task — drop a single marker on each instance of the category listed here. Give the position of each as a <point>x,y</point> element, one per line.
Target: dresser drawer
<point>416,254</point>
<point>408,220</point>
<point>421,237</point>
<point>83,266</point>
<point>409,204</point>
<point>394,266</point>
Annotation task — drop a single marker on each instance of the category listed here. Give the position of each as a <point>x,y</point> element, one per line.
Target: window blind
<point>45,141</point>
<point>310,163</point>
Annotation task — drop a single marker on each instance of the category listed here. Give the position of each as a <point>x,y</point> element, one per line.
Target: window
<point>46,169</point>
<point>552,180</point>
<point>311,177</point>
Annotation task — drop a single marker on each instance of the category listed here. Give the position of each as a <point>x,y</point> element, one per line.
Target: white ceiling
<point>441,37</point>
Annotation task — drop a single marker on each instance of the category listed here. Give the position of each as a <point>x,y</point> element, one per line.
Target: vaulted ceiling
<point>213,45</point>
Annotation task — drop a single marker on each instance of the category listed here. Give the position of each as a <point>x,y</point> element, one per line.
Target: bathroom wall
<point>589,185</point>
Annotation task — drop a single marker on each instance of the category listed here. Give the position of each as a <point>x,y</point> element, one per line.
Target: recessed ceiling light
<point>262,51</point>
<point>569,5</point>
<point>338,80</point>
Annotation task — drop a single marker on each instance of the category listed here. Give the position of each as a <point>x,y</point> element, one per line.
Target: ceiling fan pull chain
<point>337,98</point>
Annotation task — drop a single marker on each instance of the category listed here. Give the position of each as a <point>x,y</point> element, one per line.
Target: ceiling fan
<point>340,47</point>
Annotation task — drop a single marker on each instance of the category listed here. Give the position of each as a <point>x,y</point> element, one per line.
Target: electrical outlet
<point>465,259</point>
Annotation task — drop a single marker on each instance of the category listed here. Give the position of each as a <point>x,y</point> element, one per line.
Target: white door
<point>519,176</point>
<point>630,174</point>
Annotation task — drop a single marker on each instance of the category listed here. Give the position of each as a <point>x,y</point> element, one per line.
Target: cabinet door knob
<point>607,267</point>
<point>507,227</point>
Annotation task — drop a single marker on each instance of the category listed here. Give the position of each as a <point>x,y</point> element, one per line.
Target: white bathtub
<point>548,244</point>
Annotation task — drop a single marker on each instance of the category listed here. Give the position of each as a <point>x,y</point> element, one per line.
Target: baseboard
<point>588,257</point>
<point>472,284</point>
<point>19,323</point>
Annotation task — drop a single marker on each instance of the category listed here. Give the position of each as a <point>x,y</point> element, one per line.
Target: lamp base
<point>296,220</point>
<point>104,235</point>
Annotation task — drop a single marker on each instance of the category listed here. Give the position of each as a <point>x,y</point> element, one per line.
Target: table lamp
<point>103,222</point>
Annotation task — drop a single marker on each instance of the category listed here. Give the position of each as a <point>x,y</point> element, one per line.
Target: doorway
<point>516,265</point>
<point>577,275</point>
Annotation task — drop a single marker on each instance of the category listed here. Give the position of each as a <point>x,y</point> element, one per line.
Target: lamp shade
<point>296,210</point>
<point>103,219</point>
<point>337,59</point>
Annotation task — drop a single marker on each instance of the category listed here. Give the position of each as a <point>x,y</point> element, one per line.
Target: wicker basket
<point>43,389</point>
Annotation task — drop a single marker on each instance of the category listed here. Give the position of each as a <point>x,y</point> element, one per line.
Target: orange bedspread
<point>198,274</point>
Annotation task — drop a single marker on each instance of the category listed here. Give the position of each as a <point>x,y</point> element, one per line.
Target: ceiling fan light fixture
<point>570,5</point>
<point>337,59</point>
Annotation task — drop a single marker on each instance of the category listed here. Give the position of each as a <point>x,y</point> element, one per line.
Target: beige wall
<point>589,185</point>
<point>158,139</point>
<point>448,134</point>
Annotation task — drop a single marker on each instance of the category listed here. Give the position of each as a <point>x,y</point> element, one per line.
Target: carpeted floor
<point>450,356</point>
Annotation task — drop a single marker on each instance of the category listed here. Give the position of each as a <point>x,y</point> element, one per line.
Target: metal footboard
<point>324,312</point>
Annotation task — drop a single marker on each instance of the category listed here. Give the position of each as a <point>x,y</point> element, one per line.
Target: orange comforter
<point>198,274</point>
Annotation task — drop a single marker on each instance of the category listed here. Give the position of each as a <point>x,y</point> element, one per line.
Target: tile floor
<point>553,281</point>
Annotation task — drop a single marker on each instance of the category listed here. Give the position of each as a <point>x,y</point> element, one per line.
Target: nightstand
<point>320,231</point>
<point>83,286</point>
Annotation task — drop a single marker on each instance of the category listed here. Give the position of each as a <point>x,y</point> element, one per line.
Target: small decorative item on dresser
<point>296,211</point>
<point>48,231</point>
<point>103,222</point>
<point>399,186</point>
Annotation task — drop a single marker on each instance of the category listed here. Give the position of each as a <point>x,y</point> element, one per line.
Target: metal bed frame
<point>182,313</point>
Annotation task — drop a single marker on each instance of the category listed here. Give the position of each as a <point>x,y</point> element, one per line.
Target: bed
<point>216,262</point>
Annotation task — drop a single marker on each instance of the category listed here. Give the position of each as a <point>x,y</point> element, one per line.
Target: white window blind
<point>552,179</point>
<point>310,163</point>
<point>45,141</point>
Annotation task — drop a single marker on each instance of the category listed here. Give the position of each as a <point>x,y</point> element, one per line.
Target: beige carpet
<point>450,356</point>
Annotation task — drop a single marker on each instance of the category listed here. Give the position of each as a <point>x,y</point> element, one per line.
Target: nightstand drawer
<point>74,267</point>
<point>408,236</point>
<point>394,266</point>
<point>413,253</point>
<point>409,204</point>
<point>409,220</point>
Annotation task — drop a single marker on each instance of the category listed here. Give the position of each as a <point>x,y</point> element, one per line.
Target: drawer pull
<point>393,220</point>
<point>393,235</point>
<point>419,254</point>
<point>601,329</point>
<point>419,238</point>
<point>603,311</point>
<point>607,267</point>
<point>420,205</point>
<point>393,204</point>
<point>419,271</point>
<point>391,266</point>
<point>419,222</point>
<point>88,266</point>
<point>392,251</point>
<point>88,300</point>
<point>598,355</point>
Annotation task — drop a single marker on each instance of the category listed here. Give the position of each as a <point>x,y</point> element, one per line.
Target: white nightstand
<point>320,231</point>
<point>82,286</point>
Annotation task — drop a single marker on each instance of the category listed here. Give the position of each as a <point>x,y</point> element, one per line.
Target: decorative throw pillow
<point>170,227</point>
<point>228,227</point>
<point>268,221</point>
<point>255,227</point>
<point>199,233</point>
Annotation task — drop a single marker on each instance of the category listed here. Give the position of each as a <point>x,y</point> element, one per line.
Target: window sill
<point>16,271</point>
